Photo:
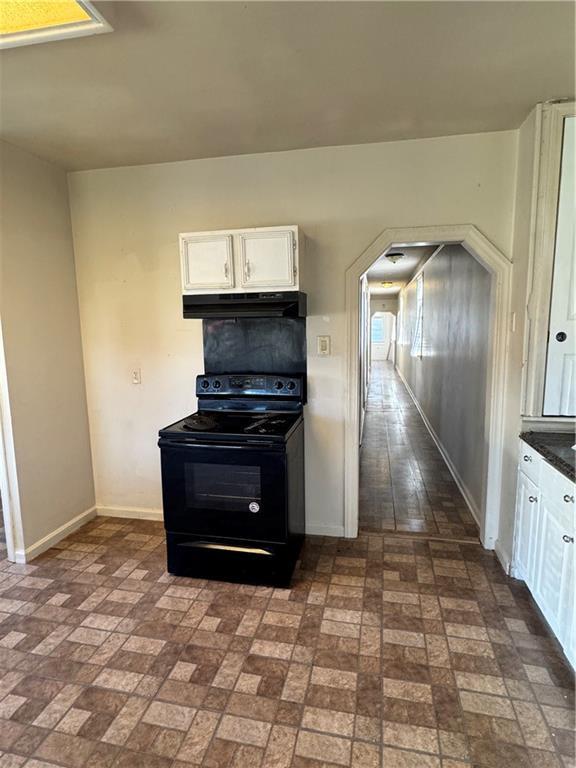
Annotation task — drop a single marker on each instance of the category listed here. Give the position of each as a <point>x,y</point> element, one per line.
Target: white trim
<point>319,529</point>
<point>147,513</point>
<point>25,555</point>
<point>96,26</point>
<point>503,558</point>
<point>470,503</point>
<point>501,268</point>
<point>9,489</point>
<point>135,513</point>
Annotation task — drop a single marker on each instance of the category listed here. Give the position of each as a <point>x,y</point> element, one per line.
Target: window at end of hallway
<point>377,329</point>
<point>416,348</point>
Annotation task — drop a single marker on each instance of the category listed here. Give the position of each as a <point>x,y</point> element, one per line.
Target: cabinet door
<point>207,262</point>
<point>560,389</point>
<point>527,518</point>
<point>553,587</point>
<point>569,611</point>
<point>268,259</point>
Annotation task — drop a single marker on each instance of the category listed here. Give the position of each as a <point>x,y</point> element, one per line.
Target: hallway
<point>405,485</point>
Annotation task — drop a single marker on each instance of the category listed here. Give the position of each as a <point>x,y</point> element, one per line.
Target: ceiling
<point>183,80</point>
<point>400,272</point>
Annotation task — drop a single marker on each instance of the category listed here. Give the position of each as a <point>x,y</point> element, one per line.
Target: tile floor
<point>405,486</point>
<point>387,652</point>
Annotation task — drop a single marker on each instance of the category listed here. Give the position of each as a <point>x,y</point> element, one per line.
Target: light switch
<point>323,345</point>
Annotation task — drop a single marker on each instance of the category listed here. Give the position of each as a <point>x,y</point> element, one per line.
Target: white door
<point>383,334</point>
<point>268,259</point>
<point>554,566</point>
<point>527,513</point>
<point>560,387</point>
<point>207,262</point>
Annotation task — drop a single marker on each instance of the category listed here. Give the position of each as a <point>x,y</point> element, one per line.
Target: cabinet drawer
<point>530,462</point>
<point>557,487</point>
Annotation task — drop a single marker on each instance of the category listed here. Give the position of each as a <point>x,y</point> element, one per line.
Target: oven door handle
<point>166,443</point>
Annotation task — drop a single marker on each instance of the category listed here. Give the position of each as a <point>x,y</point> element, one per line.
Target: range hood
<point>225,305</point>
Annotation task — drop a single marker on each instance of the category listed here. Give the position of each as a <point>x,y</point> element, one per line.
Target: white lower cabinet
<point>527,525</point>
<point>552,587</point>
<point>544,547</point>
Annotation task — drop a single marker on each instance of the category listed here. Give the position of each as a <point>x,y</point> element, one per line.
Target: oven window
<point>222,487</point>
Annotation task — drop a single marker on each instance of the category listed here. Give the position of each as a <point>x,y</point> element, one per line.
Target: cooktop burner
<point>199,422</point>
<point>235,425</point>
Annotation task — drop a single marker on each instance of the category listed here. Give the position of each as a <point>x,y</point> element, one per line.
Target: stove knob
<point>216,383</point>
<point>291,385</point>
<point>278,384</point>
<point>204,383</point>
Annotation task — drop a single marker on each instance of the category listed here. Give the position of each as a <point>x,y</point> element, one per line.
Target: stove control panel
<point>249,385</point>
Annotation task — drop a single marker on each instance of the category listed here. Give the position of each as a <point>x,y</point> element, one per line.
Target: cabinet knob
<point>527,458</point>
<point>532,499</point>
<point>568,539</point>
<point>226,270</point>
<point>568,499</point>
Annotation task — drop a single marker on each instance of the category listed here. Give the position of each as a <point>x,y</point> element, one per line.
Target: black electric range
<point>233,480</point>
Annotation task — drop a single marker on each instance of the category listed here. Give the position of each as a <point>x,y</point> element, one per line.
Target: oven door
<point>226,490</point>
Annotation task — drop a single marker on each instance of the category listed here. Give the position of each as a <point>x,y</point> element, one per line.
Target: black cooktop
<point>233,425</point>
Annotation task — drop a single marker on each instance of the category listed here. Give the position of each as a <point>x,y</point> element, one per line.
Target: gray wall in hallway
<point>449,378</point>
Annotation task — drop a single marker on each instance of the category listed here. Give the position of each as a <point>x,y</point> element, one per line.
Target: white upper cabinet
<point>207,262</point>
<point>240,261</point>
<point>546,234</point>
<point>560,386</point>
<point>267,259</point>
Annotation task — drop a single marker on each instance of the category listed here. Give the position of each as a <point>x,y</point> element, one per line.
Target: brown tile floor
<point>386,653</point>
<point>405,485</point>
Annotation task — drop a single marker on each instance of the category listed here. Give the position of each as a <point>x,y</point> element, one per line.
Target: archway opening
<point>499,269</point>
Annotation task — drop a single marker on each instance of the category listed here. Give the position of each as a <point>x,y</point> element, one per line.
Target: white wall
<point>126,223</point>
<point>449,379</point>
<point>43,356</point>
<point>383,303</point>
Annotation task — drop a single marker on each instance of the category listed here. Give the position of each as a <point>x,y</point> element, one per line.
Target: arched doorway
<point>500,269</point>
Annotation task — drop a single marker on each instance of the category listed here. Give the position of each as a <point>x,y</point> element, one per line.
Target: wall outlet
<point>323,346</point>
<point>136,376</point>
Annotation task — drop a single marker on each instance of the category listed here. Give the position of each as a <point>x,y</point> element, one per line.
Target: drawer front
<point>530,462</point>
<point>557,487</point>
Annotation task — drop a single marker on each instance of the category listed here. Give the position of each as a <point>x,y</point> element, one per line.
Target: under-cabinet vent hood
<point>224,305</point>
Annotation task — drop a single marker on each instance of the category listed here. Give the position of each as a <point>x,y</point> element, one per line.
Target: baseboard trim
<point>318,529</point>
<point>52,538</point>
<point>134,513</point>
<point>503,558</point>
<point>470,503</point>
<point>146,513</point>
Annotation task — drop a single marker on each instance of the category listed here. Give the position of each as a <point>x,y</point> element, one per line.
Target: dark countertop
<point>556,448</point>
